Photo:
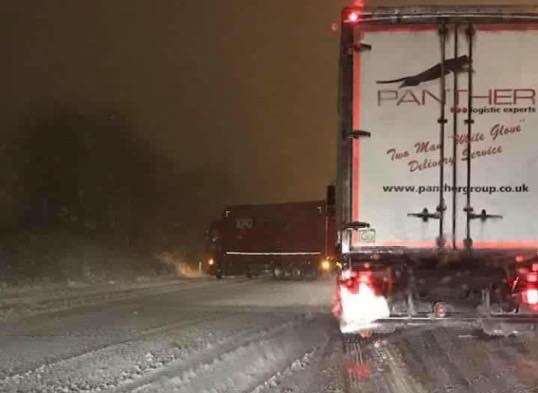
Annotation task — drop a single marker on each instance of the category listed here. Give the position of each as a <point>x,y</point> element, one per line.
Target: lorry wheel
<point>313,275</point>
<point>252,272</point>
<point>278,273</point>
<point>297,273</point>
<point>219,275</point>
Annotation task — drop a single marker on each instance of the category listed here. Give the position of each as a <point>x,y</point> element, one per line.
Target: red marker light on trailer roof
<point>353,13</point>
<point>353,17</point>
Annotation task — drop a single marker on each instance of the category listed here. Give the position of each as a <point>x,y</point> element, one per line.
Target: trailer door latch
<point>359,47</point>
<point>483,216</point>
<point>425,215</point>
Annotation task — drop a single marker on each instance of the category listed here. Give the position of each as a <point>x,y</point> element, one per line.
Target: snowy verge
<point>30,301</point>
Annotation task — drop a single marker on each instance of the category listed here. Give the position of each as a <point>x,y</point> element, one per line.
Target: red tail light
<point>525,283</point>
<point>522,269</point>
<point>350,284</point>
<point>350,281</point>
<point>530,296</point>
<point>364,277</point>
<point>353,280</point>
<point>532,277</point>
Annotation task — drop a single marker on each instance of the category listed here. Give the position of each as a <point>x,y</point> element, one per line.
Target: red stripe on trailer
<point>506,245</point>
<point>355,170</point>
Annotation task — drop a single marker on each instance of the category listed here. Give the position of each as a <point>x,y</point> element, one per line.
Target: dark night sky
<point>245,87</point>
<point>234,92</point>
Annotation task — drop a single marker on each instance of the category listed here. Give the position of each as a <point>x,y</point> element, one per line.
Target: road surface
<point>239,335</point>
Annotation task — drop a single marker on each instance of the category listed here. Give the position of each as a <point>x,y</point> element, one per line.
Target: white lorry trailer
<point>437,192</point>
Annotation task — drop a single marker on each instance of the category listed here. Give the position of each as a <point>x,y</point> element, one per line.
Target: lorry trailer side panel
<point>252,238</point>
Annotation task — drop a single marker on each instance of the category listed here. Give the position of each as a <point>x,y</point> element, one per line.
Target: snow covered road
<point>239,335</point>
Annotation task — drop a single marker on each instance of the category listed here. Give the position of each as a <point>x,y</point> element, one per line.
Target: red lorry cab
<point>289,239</point>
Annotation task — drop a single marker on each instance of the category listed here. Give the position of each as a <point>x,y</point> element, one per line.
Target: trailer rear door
<point>504,148</point>
<point>411,170</point>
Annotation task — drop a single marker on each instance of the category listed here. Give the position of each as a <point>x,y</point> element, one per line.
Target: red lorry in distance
<point>288,239</point>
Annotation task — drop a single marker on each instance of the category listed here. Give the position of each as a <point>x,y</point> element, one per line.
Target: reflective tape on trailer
<point>271,253</point>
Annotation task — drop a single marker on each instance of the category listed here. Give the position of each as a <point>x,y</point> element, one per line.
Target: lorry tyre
<point>253,271</point>
<point>278,272</point>
<point>297,273</point>
<point>313,275</point>
<point>219,275</point>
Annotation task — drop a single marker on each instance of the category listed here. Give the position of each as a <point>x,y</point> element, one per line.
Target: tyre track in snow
<point>232,335</point>
<point>443,373</point>
<point>244,363</point>
<point>32,305</point>
<point>69,375</point>
<point>374,365</point>
<point>444,360</point>
<point>18,375</point>
<point>476,360</point>
<point>316,371</point>
<point>473,361</point>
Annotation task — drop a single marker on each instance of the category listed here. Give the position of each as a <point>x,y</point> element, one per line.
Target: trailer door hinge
<point>359,47</point>
<point>425,215</point>
<point>356,134</point>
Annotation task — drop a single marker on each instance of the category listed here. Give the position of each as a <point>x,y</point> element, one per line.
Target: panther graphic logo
<point>455,65</point>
